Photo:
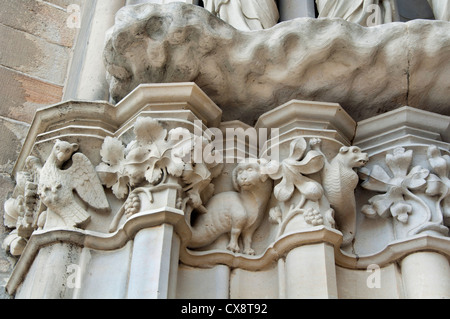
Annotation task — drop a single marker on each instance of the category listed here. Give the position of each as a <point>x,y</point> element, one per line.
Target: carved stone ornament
<point>158,158</point>
<point>172,209</point>
<point>416,197</point>
<point>291,176</point>
<point>238,212</point>
<point>148,164</point>
<point>336,185</point>
<point>57,184</point>
<point>57,194</point>
<point>217,161</point>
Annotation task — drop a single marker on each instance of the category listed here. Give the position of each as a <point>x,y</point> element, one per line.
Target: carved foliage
<point>406,190</point>
<point>146,162</point>
<point>147,159</point>
<point>292,173</point>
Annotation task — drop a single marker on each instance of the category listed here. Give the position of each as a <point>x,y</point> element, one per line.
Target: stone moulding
<point>101,119</point>
<point>320,234</point>
<point>366,70</point>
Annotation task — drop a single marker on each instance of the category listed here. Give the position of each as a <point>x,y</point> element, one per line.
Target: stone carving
<point>249,73</point>
<point>237,212</point>
<point>57,184</point>
<point>291,173</point>
<point>245,14</point>
<point>363,12</point>
<point>148,164</point>
<point>44,196</point>
<point>339,180</point>
<point>406,192</point>
<point>150,158</point>
<point>21,209</point>
<point>439,183</point>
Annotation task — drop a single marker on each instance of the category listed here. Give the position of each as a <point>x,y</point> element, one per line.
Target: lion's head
<point>353,156</point>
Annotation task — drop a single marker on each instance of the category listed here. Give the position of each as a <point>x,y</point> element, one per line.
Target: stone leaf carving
<point>148,159</point>
<point>238,212</point>
<point>149,162</point>
<point>338,181</point>
<point>249,73</point>
<point>291,176</point>
<point>403,189</point>
<point>57,185</point>
<point>291,171</point>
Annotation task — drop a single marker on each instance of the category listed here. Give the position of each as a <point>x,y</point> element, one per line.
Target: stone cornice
<point>393,252</point>
<point>101,119</point>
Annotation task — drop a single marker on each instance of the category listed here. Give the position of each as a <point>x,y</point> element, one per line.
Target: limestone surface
<point>368,70</point>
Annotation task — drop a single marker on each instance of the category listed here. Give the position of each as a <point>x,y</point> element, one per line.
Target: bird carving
<point>58,186</point>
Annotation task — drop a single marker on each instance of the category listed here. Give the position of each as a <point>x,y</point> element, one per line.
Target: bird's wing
<point>86,182</point>
<point>73,215</point>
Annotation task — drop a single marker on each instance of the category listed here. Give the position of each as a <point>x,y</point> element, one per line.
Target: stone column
<point>311,272</point>
<point>292,9</point>
<point>87,78</point>
<point>426,275</point>
<point>154,264</point>
<point>309,269</point>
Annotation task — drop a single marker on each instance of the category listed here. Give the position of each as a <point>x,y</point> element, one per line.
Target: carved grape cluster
<point>132,205</point>
<point>313,217</point>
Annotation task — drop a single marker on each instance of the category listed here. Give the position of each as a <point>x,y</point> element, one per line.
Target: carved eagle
<point>58,185</point>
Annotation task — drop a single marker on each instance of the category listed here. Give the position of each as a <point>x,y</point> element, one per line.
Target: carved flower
<point>147,158</point>
<point>112,170</point>
<point>291,171</point>
<point>396,185</point>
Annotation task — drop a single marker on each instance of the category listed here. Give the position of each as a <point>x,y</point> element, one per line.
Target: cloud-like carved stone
<point>367,70</point>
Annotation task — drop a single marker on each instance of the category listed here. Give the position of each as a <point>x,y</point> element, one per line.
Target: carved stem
<point>428,214</point>
<point>293,211</point>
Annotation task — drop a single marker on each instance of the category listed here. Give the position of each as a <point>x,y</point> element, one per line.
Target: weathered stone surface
<point>40,19</point>
<point>13,135</point>
<point>21,95</point>
<point>33,55</point>
<point>367,70</point>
